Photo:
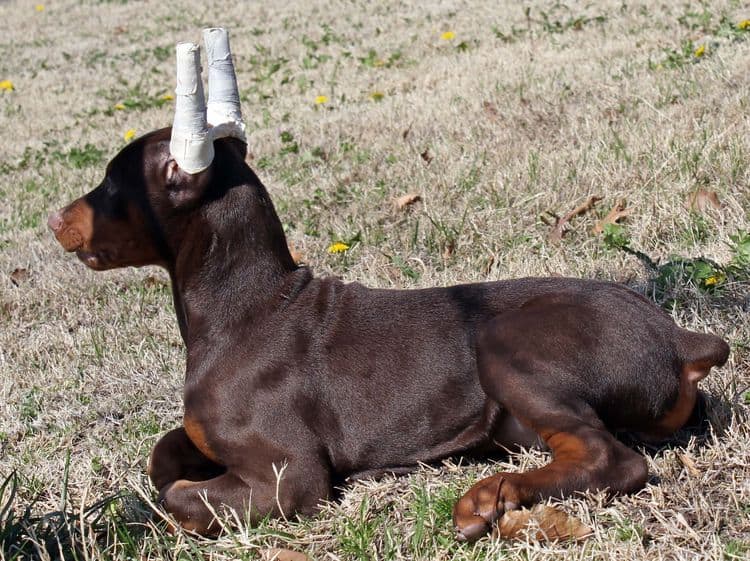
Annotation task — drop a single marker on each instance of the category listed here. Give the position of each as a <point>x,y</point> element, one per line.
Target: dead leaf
<point>617,213</point>
<point>426,156</point>
<point>488,266</point>
<point>406,200</point>
<point>701,200</point>
<point>491,110</point>
<point>19,276</point>
<point>278,554</point>
<point>297,256</point>
<point>152,281</point>
<point>688,462</point>
<point>558,231</point>
<point>449,249</point>
<point>543,522</point>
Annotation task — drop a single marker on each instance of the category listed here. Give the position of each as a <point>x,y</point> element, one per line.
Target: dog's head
<point>130,219</point>
<point>122,221</point>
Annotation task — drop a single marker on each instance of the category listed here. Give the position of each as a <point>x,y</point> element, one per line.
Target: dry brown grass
<point>519,114</point>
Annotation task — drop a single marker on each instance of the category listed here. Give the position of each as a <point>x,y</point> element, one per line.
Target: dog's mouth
<point>93,259</point>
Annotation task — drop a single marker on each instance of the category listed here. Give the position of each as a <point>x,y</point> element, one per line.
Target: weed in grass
<point>288,144</point>
<point>406,270</point>
<point>739,266</point>
<point>736,549</point>
<point>552,25</point>
<point>670,280</point>
<point>698,230</point>
<point>628,531</point>
<point>357,535</point>
<point>134,98</point>
<point>31,406</point>
<point>79,158</point>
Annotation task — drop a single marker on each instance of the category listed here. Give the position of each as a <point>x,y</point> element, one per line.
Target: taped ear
<point>184,188</point>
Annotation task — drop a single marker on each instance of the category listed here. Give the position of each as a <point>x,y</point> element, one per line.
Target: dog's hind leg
<point>176,457</point>
<point>585,457</point>
<point>538,368</point>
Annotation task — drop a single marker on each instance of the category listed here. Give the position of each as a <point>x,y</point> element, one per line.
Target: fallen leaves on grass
<point>617,213</point>
<point>702,200</point>
<point>278,554</point>
<point>543,522</point>
<point>689,464</point>
<point>407,200</point>
<point>19,276</point>
<point>559,229</point>
<point>491,110</point>
<point>154,281</point>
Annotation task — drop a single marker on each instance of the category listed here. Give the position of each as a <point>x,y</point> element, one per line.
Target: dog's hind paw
<point>483,504</point>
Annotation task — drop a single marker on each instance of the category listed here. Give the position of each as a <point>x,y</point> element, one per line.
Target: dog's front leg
<point>283,492</point>
<point>176,457</point>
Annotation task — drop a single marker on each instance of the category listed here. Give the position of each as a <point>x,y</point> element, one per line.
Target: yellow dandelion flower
<point>379,63</point>
<point>7,86</point>
<point>377,96</point>
<point>448,36</point>
<point>39,7</point>
<point>321,99</point>
<point>338,247</point>
<point>129,135</point>
<point>120,106</point>
<point>700,51</point>
<point>167,97</point>
<point>744,24</point>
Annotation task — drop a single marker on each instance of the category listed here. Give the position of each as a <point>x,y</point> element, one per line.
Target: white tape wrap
<point>223,110</point>
<point>191,145</point>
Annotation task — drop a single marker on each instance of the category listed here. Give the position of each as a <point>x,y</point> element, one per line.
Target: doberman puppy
<point>329,380</point>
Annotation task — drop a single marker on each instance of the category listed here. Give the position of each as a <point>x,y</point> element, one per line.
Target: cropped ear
<point>183,188</point>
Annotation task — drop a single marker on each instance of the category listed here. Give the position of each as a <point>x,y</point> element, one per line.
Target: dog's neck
<point>231,263</point>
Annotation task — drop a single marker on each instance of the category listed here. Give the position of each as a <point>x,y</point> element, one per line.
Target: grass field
<point>500,115</point>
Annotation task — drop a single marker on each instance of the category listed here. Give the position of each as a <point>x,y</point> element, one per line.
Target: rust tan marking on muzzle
<point>73,226</point>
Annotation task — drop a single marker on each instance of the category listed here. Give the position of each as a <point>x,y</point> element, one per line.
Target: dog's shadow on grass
<point>709,420</point>
<point>67,534</point>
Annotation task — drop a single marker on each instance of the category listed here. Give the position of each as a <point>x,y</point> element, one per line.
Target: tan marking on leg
<point>197,434</point>
<point>677,416</point>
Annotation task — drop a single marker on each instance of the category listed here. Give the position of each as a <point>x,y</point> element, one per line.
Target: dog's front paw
<point>483,504</point>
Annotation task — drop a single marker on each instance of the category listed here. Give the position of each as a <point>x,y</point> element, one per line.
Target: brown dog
<point>333,380</point>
